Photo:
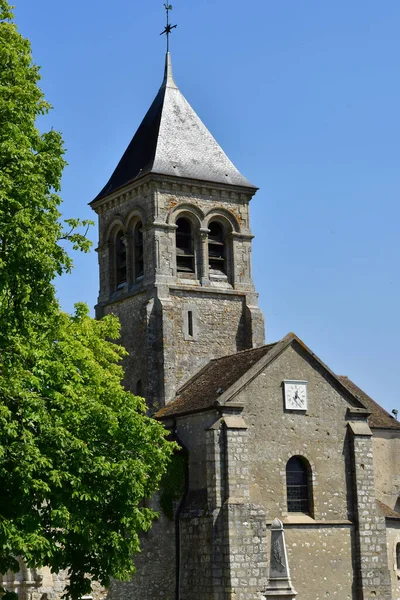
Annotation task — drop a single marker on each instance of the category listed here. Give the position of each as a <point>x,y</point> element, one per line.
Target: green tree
<point>77,452</point>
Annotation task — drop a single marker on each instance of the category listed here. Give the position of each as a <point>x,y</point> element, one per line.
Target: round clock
<point>295,395</point>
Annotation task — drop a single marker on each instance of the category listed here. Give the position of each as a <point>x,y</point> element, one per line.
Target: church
<point>267,430</point>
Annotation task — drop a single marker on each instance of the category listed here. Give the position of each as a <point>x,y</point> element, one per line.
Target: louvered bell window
<point>120,260</point>
<point>184,247</point>
<point>297,485</point>
<point>216,247</point>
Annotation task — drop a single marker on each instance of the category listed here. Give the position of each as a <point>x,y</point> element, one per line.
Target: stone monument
<point>279,584</point>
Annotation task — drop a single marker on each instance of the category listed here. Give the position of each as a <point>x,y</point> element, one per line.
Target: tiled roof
<point>386,511</point>
<point>379,418</point>
<point>202,391</point>
<point>172,140</point>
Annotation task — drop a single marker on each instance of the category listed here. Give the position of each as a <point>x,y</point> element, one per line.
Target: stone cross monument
<point>279,584</point>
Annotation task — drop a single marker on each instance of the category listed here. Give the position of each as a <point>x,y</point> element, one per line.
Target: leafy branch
<point>78,240</point>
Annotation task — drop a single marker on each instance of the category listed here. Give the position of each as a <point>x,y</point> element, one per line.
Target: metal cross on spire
<point>168,27</point>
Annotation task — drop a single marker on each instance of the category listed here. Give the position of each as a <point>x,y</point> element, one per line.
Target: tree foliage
<point>77,452</point>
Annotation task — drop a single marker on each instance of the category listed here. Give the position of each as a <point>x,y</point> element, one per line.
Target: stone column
<point>204,275</point>
<point>215,457</point>
<point>279,584</point>
<point>128,243</point>
<point>373,576</point>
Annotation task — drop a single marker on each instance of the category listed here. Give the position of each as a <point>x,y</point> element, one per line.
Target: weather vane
<point>168,27</point>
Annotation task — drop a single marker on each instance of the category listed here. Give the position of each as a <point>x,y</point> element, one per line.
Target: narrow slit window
<point>139,262</point>
<point>190,323</point>
<point>139,388</point>
<point>120,260</point>
<point>398,556</point>
<point>184,246</point>
<point>297,485</point>
<point>216,248</point>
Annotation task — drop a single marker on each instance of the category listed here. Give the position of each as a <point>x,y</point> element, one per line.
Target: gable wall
<point>314,548</point>
<point>320,435</point>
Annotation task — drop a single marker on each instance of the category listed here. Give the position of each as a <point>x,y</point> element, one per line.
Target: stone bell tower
<point>175,250</point>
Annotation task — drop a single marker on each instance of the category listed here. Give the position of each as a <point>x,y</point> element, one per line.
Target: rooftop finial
<point>168,27</point>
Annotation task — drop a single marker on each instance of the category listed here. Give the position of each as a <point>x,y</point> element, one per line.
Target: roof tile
<point>386,511</point>
<point>379,418</point>
<point>202,390</point>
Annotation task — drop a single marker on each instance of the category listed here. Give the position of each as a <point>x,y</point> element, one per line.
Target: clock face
<point>295,395</point>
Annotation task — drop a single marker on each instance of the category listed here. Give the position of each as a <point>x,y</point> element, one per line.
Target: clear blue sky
<point>304,97</point>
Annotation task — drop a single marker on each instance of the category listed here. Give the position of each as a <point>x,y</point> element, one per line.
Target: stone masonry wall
<point>153,310</point>
<point>320,558</point>
<point>42,584</point>
<point>245,548</point>
<point>197,536</point>
<point>371,541</point>
<point>318,434</point>
<point>222,536</point>
<point>140,318</point>
<point>321,552</point>
<point>219,328</point>
<point>155,576</point>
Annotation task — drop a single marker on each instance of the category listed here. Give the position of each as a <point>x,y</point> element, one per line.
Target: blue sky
<point>304,97</point>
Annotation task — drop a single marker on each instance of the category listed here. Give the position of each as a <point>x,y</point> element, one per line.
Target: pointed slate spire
<point>168,75</point>
<point>172,140</point>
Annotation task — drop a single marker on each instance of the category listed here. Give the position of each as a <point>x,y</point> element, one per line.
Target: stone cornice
<point>175,185</point>
<point>206,290</point>
<point>242,236</point>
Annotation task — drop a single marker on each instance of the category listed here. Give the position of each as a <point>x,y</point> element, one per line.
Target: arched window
<point>120,260</point>
<point>298,485</point>
<point>184,246</point>
<point>216,248</point>
<point>138,250</point>
<point>398,556</point>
